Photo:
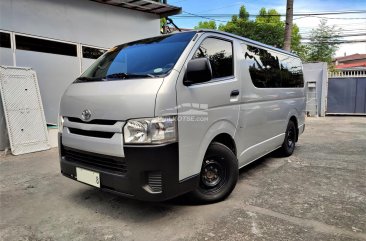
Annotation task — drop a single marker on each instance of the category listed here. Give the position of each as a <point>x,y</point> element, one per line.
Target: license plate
<point>88,177</point>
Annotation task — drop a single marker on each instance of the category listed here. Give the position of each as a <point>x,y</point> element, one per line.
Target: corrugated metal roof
<point>361,64</point>
<point>148,6</point>
<point>351,57</point>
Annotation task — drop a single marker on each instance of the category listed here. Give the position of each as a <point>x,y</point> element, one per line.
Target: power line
<point>342,30</point>
<point>225,15</point>
<point>330,17</point>
<point>353,24</point>
<point>338,42</point>
<point>199,16</point>
<point>341,36</point>
<point>308,35</point>
<point>222,7</point>
<point>331,13</point>
<point>213,17</point>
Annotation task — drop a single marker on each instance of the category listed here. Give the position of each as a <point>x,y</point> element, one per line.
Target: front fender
<point>217,128</point>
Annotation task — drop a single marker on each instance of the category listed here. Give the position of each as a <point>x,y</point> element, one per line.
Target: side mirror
<point>198,71</point>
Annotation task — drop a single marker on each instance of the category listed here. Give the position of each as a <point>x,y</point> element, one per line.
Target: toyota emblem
<point>86,114</point>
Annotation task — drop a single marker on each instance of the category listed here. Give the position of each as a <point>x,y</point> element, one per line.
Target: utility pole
<point>288,26</point>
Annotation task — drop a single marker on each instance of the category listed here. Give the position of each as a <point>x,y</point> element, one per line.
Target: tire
<point>288,145</point>
<point>219,174</point>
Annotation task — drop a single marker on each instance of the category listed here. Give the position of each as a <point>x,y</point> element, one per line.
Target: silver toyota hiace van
<point>181,113</point>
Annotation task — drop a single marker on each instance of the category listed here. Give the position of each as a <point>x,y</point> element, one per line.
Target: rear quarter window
<point>270,69</point>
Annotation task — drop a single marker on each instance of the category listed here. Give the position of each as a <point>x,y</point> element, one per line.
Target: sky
<point>349,23</point>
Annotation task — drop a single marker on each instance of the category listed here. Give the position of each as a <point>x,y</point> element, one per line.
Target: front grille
<point>95,122</point>
<point>99,134</point>
<point>154,180</point>
<point>93,160</point>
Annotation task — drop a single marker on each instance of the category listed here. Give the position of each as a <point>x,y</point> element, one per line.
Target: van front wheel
<point>219,174</point>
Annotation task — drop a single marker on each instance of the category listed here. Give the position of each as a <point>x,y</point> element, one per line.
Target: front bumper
<point>151,173</point>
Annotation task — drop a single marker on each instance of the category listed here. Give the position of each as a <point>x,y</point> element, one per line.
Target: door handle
<point>234,93</point>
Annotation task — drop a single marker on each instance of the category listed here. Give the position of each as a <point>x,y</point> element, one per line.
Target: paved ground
<point>317,194</point>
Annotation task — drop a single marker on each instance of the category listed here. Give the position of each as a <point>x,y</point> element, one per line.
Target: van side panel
<point>264,115</point>
<point>263,122</point>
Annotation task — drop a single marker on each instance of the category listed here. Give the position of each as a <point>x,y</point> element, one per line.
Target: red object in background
<point>350,61</point>
<point>352,65</point>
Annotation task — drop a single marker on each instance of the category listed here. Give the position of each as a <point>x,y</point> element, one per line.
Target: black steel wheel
<point>213,174</point>
<point>219,174</point>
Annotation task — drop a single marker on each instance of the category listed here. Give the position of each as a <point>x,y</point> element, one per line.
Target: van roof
<point>244,39</point>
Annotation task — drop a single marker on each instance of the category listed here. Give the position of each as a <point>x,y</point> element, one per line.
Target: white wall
<point>80,21</point>
<point>317,72</point>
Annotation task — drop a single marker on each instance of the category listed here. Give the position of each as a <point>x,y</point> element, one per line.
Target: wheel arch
<point>227,140</point>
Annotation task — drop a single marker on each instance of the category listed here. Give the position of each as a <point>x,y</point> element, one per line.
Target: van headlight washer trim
<point>158,130</point>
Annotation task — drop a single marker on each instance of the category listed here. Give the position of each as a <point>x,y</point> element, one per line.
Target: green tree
<point>243,14</point>
<point>267,28</point>
<point>162,24</point>
<point>206,25</point>
<point>271,16</point>
<point>324,42</point>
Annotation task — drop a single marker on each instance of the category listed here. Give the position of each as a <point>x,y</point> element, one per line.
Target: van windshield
<point>147,58</point>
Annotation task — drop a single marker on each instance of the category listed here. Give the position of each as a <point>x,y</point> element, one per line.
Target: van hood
<point>112,100</point>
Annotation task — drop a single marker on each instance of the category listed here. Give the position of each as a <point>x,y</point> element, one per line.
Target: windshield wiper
<point>86,79</point>
<point>82,79</point>
<point>127,76</point>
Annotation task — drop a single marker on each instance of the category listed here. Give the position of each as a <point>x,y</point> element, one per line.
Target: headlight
<point>150,130</point>
<point>60,123</point>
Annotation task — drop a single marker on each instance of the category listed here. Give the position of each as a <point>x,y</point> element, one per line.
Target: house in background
<point>350,62</point>
<point>59,39</point>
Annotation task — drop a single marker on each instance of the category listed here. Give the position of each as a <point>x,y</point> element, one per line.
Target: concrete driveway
<point>319,193</point>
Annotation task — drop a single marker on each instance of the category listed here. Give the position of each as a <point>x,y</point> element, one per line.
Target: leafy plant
<point>324,42</point>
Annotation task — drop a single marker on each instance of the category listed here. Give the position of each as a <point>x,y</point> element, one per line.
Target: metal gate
<point>347,94</point>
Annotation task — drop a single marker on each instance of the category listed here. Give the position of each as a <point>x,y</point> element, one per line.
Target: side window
<point>264,67</point>
<point>269,69</point>
<point>297,74</point>
<point>45,46</point>
<point>5,40</point>
<point>291,72</point>
<point>220,54</point>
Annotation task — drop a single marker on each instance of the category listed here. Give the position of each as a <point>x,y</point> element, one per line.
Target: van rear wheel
<point>219,174</point>
<point>288,145</point>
